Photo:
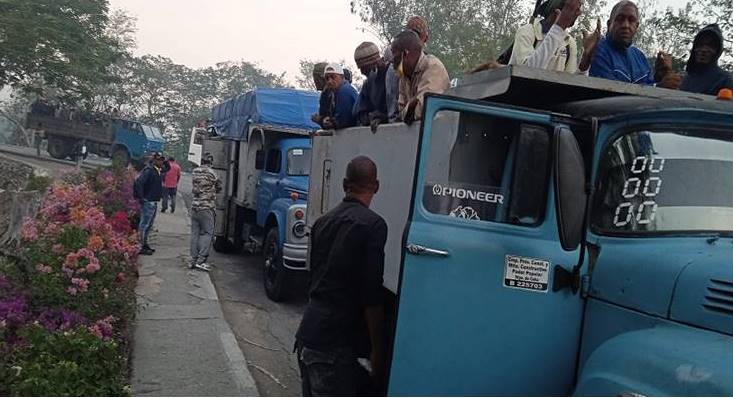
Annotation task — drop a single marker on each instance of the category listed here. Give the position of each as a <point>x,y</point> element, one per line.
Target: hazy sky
<point>274,33</point>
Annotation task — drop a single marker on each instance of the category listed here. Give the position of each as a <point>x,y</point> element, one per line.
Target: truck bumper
<point>294,256</point>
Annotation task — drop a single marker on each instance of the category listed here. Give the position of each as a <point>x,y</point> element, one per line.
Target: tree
<point>463,33</point>
<point>60,42</point>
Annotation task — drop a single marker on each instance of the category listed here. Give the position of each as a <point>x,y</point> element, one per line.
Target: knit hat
<point>367,53</point>
<point>418,25</point>
<point>319,68</point>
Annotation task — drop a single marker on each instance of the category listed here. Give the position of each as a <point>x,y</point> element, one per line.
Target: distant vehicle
<point>195,145</point>
<point>262,151</point>
<point>124,141</point>
<point>552,234</point>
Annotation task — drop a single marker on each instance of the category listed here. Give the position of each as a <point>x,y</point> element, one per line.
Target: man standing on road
<point>344,317</point>
<point>171,177</point>
<point>205,187</point>
<point>148,190</point>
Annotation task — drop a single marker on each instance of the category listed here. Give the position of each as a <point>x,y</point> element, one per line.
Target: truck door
<point>477,311</point>
<point>267,185</point>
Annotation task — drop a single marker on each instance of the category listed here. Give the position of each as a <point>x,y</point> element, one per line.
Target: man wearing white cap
<point>341,113</point>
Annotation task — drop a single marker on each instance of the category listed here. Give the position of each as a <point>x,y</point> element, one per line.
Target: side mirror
<point>260,160</point>
<point>570,194</point>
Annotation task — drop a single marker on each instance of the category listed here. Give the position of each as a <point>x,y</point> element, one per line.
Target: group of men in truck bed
<point>339,342</point>
<point>398,78</point>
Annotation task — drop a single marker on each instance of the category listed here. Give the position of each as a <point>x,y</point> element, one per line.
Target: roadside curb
<point>7,150</point>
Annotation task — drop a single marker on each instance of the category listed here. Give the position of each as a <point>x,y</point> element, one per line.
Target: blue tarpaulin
<point>276,107</point>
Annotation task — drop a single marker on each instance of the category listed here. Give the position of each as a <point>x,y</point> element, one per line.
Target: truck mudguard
<point>279,210</point>
<point>665,360</point>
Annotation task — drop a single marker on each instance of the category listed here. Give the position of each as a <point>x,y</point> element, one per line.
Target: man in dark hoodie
<point>704,76</point>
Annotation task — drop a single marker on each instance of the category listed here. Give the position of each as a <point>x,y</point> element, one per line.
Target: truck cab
<point>575,243</point>
<point>262,152</point>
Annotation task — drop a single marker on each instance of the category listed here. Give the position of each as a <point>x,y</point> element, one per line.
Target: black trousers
<point>332,373</point>
<point>169,193</point>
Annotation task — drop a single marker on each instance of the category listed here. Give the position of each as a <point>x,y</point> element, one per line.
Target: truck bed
<point>91,132</point>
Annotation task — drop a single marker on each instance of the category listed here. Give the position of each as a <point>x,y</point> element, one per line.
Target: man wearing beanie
<point>371,107</point>
<point>419,25</point>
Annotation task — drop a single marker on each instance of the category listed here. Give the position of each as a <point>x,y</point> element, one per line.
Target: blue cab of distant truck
<point>261,145</point>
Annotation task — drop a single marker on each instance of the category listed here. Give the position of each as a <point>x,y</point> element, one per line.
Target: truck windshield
<point>299,162</point>
<point>152,132</point>
<point>666,181</point>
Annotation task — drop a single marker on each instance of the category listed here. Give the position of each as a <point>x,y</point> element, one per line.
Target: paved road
<point>265,330</point>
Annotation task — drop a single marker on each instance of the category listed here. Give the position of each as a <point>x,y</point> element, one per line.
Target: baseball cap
<point>333,69</point>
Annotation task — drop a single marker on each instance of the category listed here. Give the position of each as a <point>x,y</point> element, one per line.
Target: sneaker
<point>146,247</point>
<point>162,210</point>
<point>173,211</point>
<point>146,252</point>
<point>203,267</point>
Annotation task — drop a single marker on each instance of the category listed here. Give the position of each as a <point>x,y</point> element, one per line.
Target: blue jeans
<point>147,217</point>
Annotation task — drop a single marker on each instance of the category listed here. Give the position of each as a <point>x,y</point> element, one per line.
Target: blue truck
<point>260,142</point>
<point>125,141</point>
<point>552,234</point>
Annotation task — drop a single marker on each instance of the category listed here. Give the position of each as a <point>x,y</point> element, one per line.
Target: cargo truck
<point>261,149</point>
<point>552,234</point>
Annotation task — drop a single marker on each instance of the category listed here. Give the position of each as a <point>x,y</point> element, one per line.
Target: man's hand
<point>410,113</point>
<point>671,81</point>
<point>662,66</point>
<point>375,119</point>
<point>328,123</point>
<point>316,118</point>
<point>590,44</point>
<point>569,14</point>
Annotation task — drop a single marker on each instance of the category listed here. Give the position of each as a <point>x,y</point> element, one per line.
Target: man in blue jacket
<point>148,190</point>
<point>618,59</point>
<point>344,98</point>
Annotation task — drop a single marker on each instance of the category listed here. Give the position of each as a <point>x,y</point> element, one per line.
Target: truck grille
<point>719,298</point>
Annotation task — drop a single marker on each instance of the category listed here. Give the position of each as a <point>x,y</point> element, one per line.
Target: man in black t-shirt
<point>344,317</point>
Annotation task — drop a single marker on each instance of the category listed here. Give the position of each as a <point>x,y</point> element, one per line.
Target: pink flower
<point>57,248</point>
<point>103,328</point>
<point>93,267</point>
<point>44,269</point>
<point>29,231</point>
<point>72,291</point>
<point>72,260</point>
<point>81,284</point>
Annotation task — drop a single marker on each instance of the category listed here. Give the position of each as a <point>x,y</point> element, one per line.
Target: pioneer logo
<point>460,193</point>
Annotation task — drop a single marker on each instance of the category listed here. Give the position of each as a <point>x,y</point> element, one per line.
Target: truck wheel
<point>275,274</point>
<point>222,244</point>
<point>58,148</point>
<point>121,157</point>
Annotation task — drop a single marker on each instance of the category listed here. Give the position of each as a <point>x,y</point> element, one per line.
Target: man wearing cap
<point>419,73</point>
<point>548,44</point>
<point>148,190</point>
<point>371,107</point>
<point>203,206</point>
<point>419,25</point>
<point>341,113</point>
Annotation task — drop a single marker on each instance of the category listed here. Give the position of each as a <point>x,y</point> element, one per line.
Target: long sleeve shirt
<point>628,65</point>
<point>429,76</point>
<point>343,107</point>
<point>556,50</point>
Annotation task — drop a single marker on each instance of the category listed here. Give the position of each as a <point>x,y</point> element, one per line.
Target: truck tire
<point>58,147</point>
<point>121,156</point>
<point>221,244</point>
<point>275,275</point>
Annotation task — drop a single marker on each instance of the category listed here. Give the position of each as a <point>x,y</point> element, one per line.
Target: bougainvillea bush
<point>68,302</point>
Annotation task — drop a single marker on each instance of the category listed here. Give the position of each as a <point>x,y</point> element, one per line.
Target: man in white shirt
<point>548,44</point>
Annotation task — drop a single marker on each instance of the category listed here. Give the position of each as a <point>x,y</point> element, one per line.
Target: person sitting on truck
<point>392,82</point>
<point>341,111</point>
<point>344,317</point>
<point>704,76</point>
<point>324,102</point>
<point>203,207</point>
<point>371,108</point>
<point>548,44</point>
<point>148,190</point>
<point>171,177</point>
<point>420,73</point>
<point>419,25</point>
<point>616,57</point>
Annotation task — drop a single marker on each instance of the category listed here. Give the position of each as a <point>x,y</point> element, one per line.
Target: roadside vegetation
<point>67,300</point>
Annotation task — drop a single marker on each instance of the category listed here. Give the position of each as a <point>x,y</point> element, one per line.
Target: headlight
<point>299,230</point>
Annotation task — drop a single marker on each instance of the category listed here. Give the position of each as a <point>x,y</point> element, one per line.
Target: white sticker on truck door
<point>526,273</point>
